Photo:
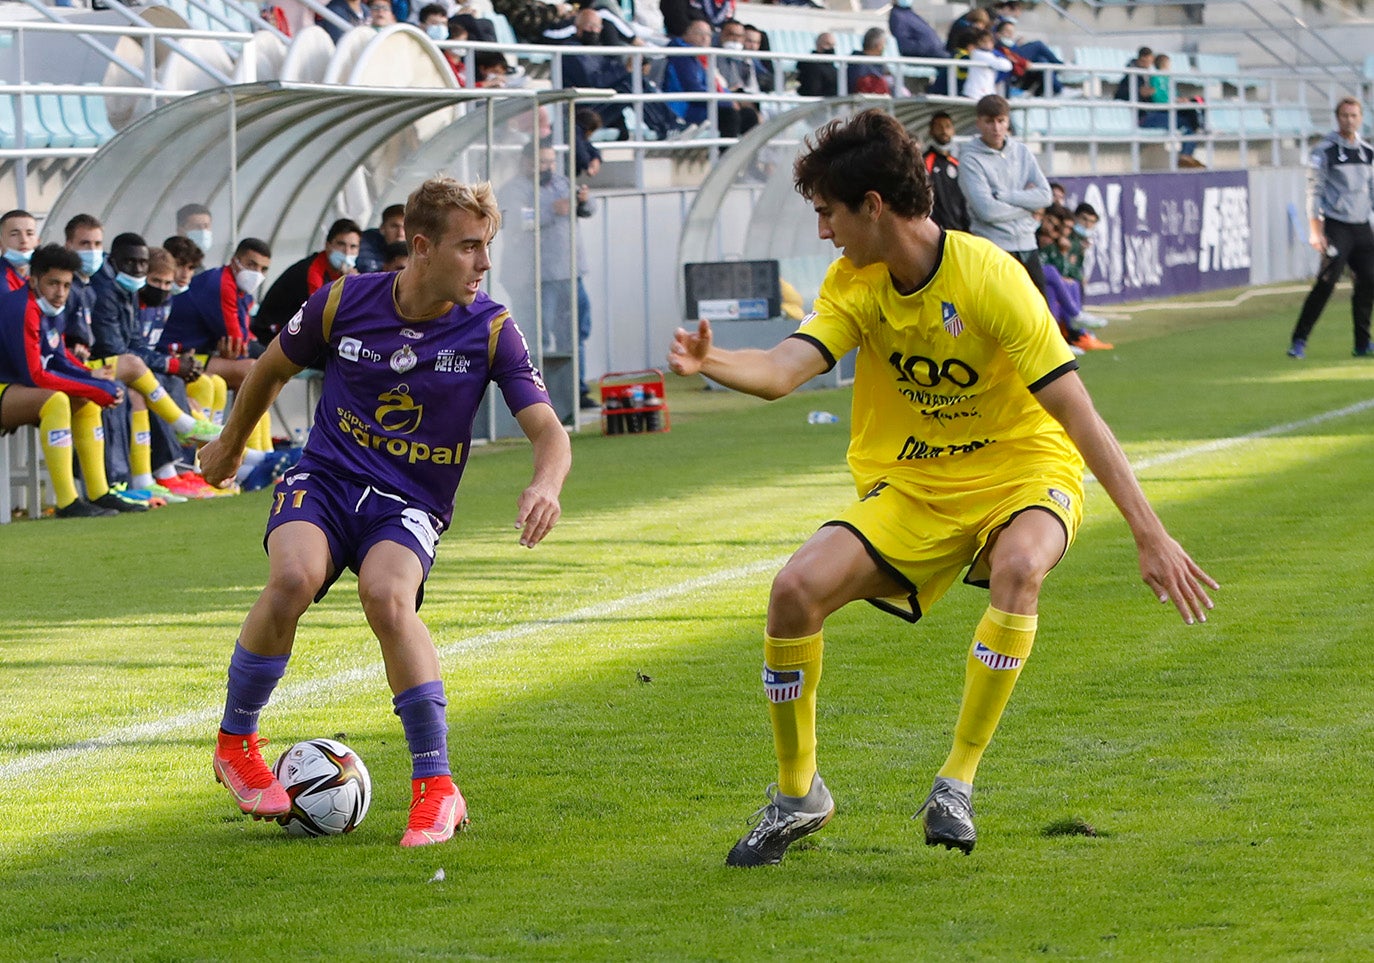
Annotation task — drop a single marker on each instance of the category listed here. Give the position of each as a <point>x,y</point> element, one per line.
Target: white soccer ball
<point>329,787</point>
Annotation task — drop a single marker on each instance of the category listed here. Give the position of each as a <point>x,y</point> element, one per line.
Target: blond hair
<point>428,206</point>
<point>159,259</point>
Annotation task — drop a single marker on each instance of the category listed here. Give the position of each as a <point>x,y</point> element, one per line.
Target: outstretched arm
<point>1169,571</point>
<point>769,373</point>
<point>538,504</point>
<point>220,459</point>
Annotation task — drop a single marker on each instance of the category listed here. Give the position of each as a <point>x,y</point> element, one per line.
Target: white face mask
<point>732,45</point>
<point>179,288</point>
<point>338,260</point>
<point>437,31</point>
<point>47,308</point>
<point>248,281</point>
<point>201,238</point>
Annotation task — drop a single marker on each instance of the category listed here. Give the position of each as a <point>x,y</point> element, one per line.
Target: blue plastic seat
<point>74,116</point>
<point>7,121</point>
<point>49,108</point>
<point>96,117</point>
<point>36,135</point>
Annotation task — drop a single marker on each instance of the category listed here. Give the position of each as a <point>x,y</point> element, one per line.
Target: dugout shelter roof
<point>280,161</point>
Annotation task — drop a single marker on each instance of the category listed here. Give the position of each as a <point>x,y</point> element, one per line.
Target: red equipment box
<point>632,402</point>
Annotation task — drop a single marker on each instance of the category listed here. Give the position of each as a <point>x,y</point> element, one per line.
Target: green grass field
<point>607,725</point>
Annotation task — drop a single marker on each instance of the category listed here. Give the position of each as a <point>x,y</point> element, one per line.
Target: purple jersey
<point>400,395</point>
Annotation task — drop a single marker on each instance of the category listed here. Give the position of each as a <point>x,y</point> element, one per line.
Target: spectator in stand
<point>1186,120</point>
<point>870,78</point>
<point>756,40</point>
<point>530,19</point>
<point>678,14</point>
<point>961,31</point>
<point>382,14</point>
<point>312,272</point>
<point>738,74</point>
<point>274,15</point>
<point>554,209</point>
<point>817,78</point>
<point>493,70</point>
<point>608,71</point>
<point>984,66</point>
<point>915,37</point>
<point>585,123</point>
<point>18,238</point>
<point>1022,52</point>
<point>85,235</point>
<point>1136,87</point>
<point>942,169</point>
<point>397,256</point>
<point>42,384</point>
<point>1004,187</point>
<point>194,222</point>
<point>693,75</point>
<point>434,21</point>
<point>476,28</point>
<point>351,11</point>
<point>372,244</point>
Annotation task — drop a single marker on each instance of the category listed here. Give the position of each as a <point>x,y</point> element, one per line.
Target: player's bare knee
<point>795,596</point>
<point>386,605</point>
<point>291,592</point>
<point>1019,571</point>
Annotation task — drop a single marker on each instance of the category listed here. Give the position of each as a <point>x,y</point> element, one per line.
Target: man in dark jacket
<point>817,78</point>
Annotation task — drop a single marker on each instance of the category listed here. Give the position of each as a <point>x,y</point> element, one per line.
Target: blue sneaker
<point>1298,349</point>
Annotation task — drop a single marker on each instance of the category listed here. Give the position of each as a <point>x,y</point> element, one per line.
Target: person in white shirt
<point>984,66</point>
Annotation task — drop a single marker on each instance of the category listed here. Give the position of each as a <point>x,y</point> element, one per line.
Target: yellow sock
<point>55,435</point>
<point>202,392</point>
<point>1001,644</point>
<point>791,675</point>
<point>221,398</point>
<point>261,438</point>
<point>140,445</point>
<point>159,402</point>
<point>89,438</point>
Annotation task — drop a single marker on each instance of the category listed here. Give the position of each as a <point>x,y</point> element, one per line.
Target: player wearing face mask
<point>18,238</point>
<point>302,279</point>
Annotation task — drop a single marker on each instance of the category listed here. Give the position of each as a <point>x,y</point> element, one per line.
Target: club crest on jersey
<point>782,685</point>
<point>411,333</point>
<point>294,327</point>
<point>404,359</point>
<point>949,316</point>
<point>54,339</point>
<point>1060,498</point>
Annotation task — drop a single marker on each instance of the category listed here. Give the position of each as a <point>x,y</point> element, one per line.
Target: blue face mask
<point>130,283</point>
<point>47,308</point>
<point>179,288</point>
<point>437,31</point>
<point>91,261</point>
<point>901,3</point>
<point>18,258</point>
<point>338,260</point>
<point>201,238</point>
<point>1081,231</point>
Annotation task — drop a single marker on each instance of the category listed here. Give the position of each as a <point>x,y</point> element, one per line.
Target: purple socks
<point>421,709</point>
<point>251,681</point>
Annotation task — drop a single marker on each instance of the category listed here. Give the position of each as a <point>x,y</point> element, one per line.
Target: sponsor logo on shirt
<point>398,411</point>
<point>296,477</point>
<point>351,349</point>
<point>411,333</point>
<point>451,361</point>
<point>294,326</point>
<point>403,360</point>
<point>1060,497</point>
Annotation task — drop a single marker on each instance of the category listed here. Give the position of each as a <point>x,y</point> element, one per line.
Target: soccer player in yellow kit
<point>970,431</point>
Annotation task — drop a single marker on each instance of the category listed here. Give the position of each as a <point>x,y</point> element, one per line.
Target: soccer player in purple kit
<point>407,358</point>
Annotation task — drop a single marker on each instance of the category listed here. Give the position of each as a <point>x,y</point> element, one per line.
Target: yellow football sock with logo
<point>202,392</point>
<point>221,398</point>
<point>55,435</point>
<point>89,438</point>
<point>140,445</point>
<point>159,402</point>
<point>1001,644</point>
<point>791,675</point>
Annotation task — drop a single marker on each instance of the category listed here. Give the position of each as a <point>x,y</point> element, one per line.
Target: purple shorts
<point>354,517</point>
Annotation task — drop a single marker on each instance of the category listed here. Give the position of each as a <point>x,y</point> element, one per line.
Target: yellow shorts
<point>95,364</point>
<point>924,537</point>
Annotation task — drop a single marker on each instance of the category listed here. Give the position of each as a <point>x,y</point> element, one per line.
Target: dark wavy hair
<point>870,151</point>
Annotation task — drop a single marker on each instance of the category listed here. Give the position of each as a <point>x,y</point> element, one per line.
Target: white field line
<point>1121,312</point>
<point>205,716</point>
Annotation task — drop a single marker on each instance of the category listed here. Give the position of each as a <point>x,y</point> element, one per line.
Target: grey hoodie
<point>1340,180</point>
<point>1000,205</point>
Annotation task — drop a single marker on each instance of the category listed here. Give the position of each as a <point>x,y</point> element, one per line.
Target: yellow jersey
<point>944,378</point>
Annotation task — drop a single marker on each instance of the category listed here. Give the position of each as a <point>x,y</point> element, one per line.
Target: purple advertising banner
<point>1164,234</point>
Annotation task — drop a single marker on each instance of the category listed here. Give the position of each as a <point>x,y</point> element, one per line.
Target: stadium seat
<point>1293,121</point>
<point>1234,121</point>
<point>96,117</point>
<point>74,116</point>
<point>36,135</point>
<point>49,109</point>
